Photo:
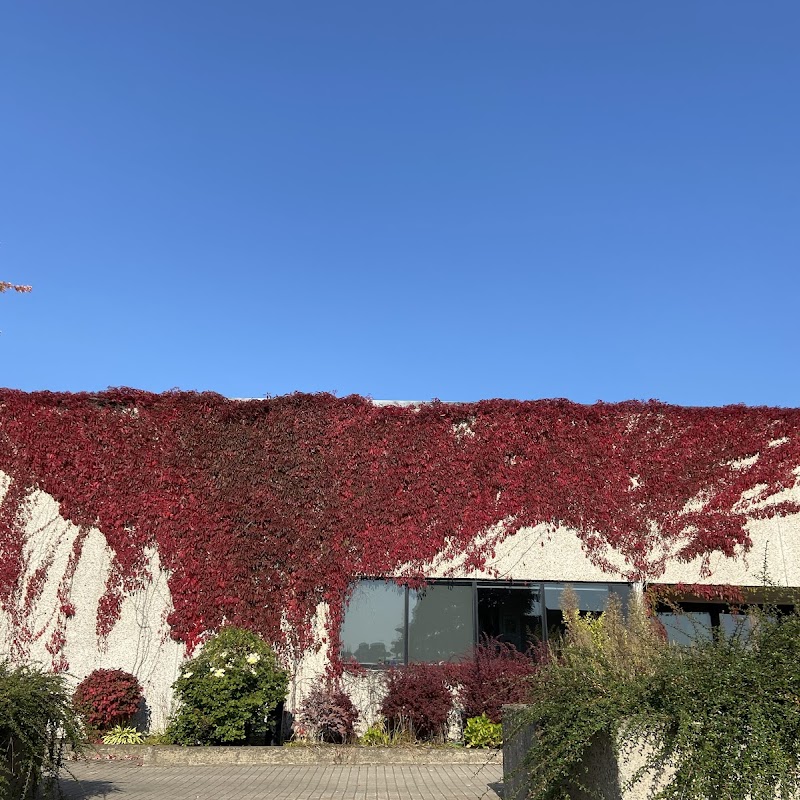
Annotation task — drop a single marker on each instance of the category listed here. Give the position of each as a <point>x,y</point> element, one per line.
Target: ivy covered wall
<point>255,512</point>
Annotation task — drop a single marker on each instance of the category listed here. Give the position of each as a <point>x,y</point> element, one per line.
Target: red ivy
<point>262,509</point>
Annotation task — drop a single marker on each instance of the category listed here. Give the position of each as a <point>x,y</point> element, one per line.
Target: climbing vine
<point>260,510</point>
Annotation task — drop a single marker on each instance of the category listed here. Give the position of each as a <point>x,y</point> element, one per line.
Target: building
<point>345,530</point>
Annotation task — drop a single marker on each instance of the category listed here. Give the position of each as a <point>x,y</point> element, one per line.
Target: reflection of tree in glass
<point>375,653</point>
<point>440,626</point>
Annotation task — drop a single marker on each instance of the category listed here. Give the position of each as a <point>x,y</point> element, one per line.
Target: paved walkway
<point>126,780</point>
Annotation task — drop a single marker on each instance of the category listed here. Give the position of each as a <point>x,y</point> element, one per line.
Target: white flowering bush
<point>228,692</point>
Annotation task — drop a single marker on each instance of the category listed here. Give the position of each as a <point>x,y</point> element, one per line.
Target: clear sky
<point>408,200</point>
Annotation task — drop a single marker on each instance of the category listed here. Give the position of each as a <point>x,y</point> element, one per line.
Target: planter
<point>609,770</point>
<point>15,759</point>
<point>164,755</point>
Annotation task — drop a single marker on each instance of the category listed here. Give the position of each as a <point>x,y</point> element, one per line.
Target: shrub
<point>418,698</point>
<point>375,735</point>
<point>482,732</point>
<point>590,687</point>
<point>107,697</point>
<point>494,675</point>
<point>36,720</point>
<point>227,693</point>
<point>729,714</point>
<point>329,715</point>
<point>720,718</point>
<point>120,735</point>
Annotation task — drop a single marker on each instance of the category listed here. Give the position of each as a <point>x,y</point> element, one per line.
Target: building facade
<point>345,531</point>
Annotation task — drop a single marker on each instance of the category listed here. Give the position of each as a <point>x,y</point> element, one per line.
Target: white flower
<point>223,654</point>
<point>253,658</point>
<point>217,673</point>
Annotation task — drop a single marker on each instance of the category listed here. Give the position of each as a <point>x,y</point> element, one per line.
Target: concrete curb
<point>170,755</point>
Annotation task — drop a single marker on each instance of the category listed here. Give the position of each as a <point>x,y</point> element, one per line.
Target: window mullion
<point>405,636</point>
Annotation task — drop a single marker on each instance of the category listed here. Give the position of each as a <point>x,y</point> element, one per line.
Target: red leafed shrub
<point>418,699</point>
<point>107,697</point>
<point>329,715</point>
<point>495,674</point>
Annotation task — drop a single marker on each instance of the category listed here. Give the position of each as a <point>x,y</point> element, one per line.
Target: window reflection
<point>592,598</point>
<point>510,614</point>
<point>387,624</point>
<point>441,625</point>
<point>373,631</point>
<point>686,627</point>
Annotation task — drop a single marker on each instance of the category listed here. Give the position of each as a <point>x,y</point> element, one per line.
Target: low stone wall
<point>168,755</point>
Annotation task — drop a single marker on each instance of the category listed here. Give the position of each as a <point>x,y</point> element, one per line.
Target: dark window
<point>511,614</point>
<point>687,621</point>
<point>592,599</point>
<point>686,627</point>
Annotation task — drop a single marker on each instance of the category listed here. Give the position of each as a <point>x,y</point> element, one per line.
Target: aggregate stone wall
<point>139,642</point>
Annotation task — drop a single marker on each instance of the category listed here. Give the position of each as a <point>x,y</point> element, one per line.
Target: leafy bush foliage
<point>123,735</point>
<point>228,691</point>
<point>590,687</point>
<point>106,698</point>
<point>729,714</point>
<point>329,715</point>
<point>418,699</point>
<point>36,720</point>
<point>495,674</point>
<point>720,718</point>
<point>482,732</point>
<point>376,735</point>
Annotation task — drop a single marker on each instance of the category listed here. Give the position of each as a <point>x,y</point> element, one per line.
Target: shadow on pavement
<point>74,789</point>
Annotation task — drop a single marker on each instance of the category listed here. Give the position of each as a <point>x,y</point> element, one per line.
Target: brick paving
<point>126,780</point>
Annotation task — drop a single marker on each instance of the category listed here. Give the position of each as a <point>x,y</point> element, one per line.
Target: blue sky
<point>582,199</point>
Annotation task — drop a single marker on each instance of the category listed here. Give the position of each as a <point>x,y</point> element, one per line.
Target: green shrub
<point>157,738</point>
<point>120,735</point>
<point>720,719</point>
<point>588,688</point>
<point>482,732</point>
<point>726,714</point>
<point>227,693</point>
<point>36,721</point>
<point>375,736</point>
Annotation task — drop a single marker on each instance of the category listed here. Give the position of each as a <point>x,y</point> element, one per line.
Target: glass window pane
<point>510,614</point>
<point>735,624</point>
<point>688,627</point>
<point>441,625</point>
<point>591,597</point>
<point>374,623</point>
